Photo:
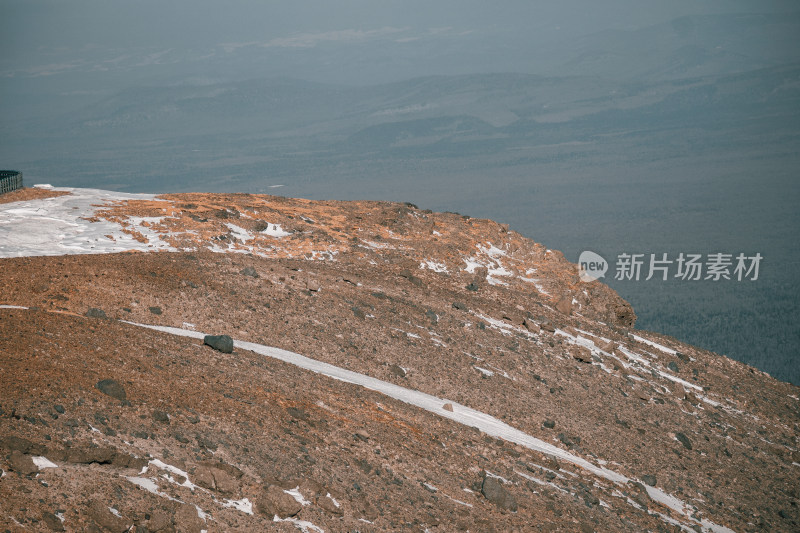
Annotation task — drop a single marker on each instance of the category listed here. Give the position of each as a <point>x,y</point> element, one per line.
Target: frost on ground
<point>61,225</point>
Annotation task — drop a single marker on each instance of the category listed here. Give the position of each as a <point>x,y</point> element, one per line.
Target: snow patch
<point>331,498</point>
<point>298,496</point>
<point>43,462</point>
<point>239,232</point>
<point>433,265</point>
<point>275,230</point>
<point>244,505</point>
<point>485,372</point>
<point>175,470</point>
<point>62,226</point>
<point>472,264</point>
<point>146,483</point>
<point>655,345</point>
<point>303,525</point>
<point>540,481</point>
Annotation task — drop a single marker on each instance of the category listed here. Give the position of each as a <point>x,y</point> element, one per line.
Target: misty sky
<point>50,38</point>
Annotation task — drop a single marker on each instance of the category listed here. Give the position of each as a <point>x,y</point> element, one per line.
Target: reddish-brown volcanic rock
<point>205,429</point>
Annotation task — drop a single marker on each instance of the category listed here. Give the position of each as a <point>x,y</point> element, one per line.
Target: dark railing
<point>10,180</point>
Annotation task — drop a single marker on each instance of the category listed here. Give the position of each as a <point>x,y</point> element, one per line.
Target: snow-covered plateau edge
<point>60,225</point>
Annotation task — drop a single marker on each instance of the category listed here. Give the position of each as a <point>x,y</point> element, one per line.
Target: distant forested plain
<point>695,158</point>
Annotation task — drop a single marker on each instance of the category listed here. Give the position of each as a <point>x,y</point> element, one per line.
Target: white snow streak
<point>460,414</point>
<point>303,525</point>
<point>655,345</point>
<point>298,496</point>
<point>43,462</point>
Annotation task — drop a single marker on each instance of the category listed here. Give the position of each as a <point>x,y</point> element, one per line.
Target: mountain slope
<point>642,432</point>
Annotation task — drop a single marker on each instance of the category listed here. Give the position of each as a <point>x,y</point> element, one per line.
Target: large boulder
<point>222,343</point>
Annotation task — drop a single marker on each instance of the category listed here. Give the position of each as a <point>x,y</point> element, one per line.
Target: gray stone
<point>112,388</point>
<point>222,343</point>
<point>397,371</point>
<point>590,499</point>
<point>649,479</point>
<point>161,416</point>
<point>494,491</point>
<point>683,439</point>
<point>298,413</point>
<point>672,366</point>
<point>565,440</point>
<point>249,271</point>
<point>155,310</point>
<point>94,312</point>
<point>205,442</point>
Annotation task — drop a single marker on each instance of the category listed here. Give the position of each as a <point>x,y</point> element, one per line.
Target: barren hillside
<point>392,369</point>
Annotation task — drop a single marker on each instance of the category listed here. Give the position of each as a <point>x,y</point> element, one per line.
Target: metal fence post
<point>10,180</point>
